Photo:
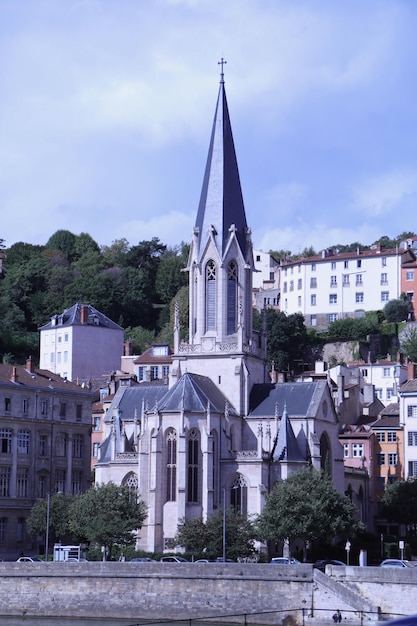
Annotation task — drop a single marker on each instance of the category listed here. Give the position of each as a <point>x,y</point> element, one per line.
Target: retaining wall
<point>170,591</point>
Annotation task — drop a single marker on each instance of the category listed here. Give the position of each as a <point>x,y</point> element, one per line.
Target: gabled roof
<point>287,448</point>
<point>221,201</point>
<point>300,399</point>
<point>194,393</point>
<point>81,315</point>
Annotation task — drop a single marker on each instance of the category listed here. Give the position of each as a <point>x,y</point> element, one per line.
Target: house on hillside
<point>81,344</point>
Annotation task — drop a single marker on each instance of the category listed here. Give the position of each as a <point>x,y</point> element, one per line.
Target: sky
<point>106,108</point>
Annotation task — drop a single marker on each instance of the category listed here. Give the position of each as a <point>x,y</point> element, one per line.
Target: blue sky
<point>106,109</point>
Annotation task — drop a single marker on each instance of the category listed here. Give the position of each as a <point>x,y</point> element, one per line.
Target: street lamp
<point>48,512</point>
<point>224,521</point>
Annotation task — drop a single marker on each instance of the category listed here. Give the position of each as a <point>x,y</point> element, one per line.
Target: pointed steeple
<point>287,448</point>
<point>221,202</point>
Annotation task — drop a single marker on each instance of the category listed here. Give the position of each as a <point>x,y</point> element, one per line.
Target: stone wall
<point>170,591</point>
<point>144,591</point>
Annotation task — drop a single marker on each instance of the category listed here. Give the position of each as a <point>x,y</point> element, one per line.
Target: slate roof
<point>287,448</point>
<point>131,399</point>
<point>193,393</point>
<point>221,201</point>
<point>72,317</point>
<point>300,399</point>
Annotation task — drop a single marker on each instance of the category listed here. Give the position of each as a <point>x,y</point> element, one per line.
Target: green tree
<point>59,508</point>
<point>399,503</point>
<point>64,241</point>
<point>307,506</point>
<point>205,539</point>
<point>353,328</point>
<point>287,339</point>
<point>169,276</point>
<point>107,515</point>
<point>408,343</point>
<point>141,338</point>
<point>396,310</point>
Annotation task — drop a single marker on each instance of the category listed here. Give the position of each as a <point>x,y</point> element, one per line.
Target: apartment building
<point>388,465</point>
<point>80,344</point>
<point>45,431</point>
<point>408,421</point>
<point>409,275</point>
<point>265,283</point>
<point>335,285</point>
<point>385,375</point>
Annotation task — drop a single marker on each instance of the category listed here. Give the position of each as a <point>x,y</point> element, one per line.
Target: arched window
<point>239,495</point>
<point>231,297</point>
<point>325,459</point>
<point>171,474</point>
<point>131,482</point>
<point>193,455</point>
<point>211,296</point>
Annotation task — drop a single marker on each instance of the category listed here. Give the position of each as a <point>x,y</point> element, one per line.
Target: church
<point>220,433</point>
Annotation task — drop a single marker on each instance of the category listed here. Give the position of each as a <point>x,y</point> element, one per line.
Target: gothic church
<point>220,433</point>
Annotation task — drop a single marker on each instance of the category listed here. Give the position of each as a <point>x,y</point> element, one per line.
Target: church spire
<point>221,203</point>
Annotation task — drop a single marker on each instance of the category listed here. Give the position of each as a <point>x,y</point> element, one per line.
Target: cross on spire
<point>222,62</point>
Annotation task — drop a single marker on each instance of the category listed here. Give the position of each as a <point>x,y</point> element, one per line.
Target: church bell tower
<point>221,342</point>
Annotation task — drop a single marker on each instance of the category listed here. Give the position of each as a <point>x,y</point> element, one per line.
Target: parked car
<point>396,563</point>
<point>204,561</point>
<point>408,620</point>
<point>173,559</point>
<point>28,559</point>
<point>141,559</point>
<point>321,563</point>
<point>283,560</point>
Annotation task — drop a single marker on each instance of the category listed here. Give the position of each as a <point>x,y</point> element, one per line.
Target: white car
<point>28,559</point>
<point>283,560</point>
<point>396,563</point>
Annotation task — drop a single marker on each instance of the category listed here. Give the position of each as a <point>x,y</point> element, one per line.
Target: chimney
<point>411,370</point>
<point>128,348</point>
<point>14,377</point>
<point>29,364</point>
<point>84,314</point>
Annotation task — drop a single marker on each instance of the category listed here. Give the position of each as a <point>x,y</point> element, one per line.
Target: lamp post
<point>48,512</point>
<point>224,521</point>
<point>224,525</point>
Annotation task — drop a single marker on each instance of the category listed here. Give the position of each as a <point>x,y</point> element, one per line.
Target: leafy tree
<point>107,515</point>
<point>169,277</point>
<point>399,503</point>
<point>59,508</point>
<point>205,539</point>
<point>166,333</point>
<point>287,339</point>
<point>116,253</point>
<point>408,343</point>
<point>84,244</point>
<point>353,328</point>
<point>64,241</point>
<point>396,310</point>
<point>308,506</point>
<point>140,337</point>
